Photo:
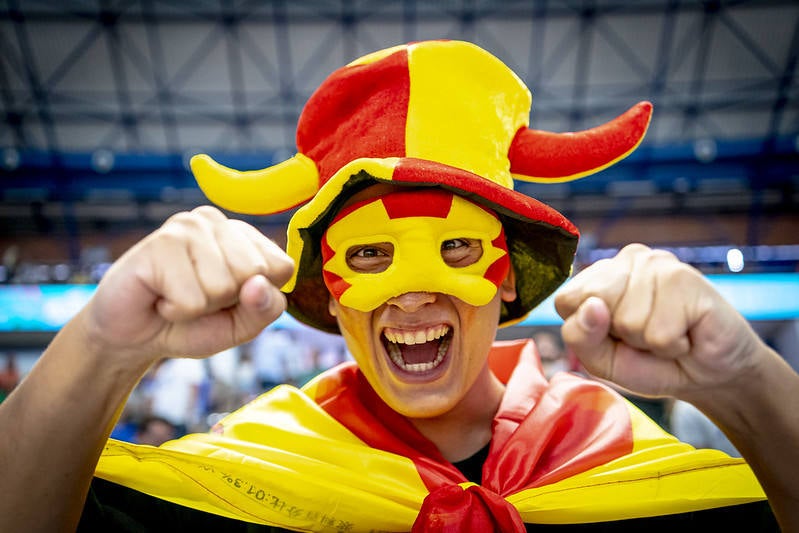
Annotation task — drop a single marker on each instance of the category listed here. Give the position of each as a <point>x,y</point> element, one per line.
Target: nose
<point>412,301</point>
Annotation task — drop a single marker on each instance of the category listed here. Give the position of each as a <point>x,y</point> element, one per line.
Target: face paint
<point>415,224</point>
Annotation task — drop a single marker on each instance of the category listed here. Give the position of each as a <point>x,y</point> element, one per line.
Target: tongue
<point>419,353</point>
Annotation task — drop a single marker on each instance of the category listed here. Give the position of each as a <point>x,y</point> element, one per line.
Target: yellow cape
<point>282,460</point>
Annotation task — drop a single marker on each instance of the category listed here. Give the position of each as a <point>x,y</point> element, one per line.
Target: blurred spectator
<point>314,366</point>
<point>245,377</point>
<point>192,395</point>
<point>690,425</point>
<point>232,381</point>
<point>174,391</point>
<point>552,352</point>
<point>125,429</point>
<point>334,354</point>
<point>277,355</point>
<point>155,431</point>
<point>9,375</point>
<point>10,262</point>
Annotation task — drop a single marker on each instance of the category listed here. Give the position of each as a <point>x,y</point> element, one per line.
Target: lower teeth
<point>395,353</point>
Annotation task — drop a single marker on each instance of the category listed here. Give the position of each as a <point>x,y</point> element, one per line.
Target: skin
<point>461,391</point>
<point>203,283</point>
<point>217,288</point>
<point>656,327</point>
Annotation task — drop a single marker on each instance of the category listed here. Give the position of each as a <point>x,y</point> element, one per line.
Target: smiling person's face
<point>417,279</point>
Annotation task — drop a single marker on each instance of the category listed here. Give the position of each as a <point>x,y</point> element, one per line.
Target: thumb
<point>586,333</point>
<point>260,303</point>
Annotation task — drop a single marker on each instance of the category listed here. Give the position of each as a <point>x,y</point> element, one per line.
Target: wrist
<point>740,405</point>
<point>101,356</point>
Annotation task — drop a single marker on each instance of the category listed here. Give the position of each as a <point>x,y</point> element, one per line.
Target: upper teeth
<point>418,336</point>
<point>397,337</point>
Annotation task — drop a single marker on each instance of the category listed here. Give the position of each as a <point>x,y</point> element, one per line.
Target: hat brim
<point>541,241</point>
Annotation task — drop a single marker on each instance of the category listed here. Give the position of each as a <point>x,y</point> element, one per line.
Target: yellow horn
<point>257,192</point>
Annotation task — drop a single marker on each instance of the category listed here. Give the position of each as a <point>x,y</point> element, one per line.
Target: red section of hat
<point>359,111</point>
<point>544,154</point>
<point>411,170</point>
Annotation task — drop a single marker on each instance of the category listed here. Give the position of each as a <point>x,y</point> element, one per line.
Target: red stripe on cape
<point>543,431</point>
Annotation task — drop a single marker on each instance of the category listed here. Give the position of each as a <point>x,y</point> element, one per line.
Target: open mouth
<point>420,350</point>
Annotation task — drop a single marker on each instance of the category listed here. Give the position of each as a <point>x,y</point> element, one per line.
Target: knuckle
<point>221,292</point>
<point>169,235</point>
<point>635,249</point>
<point>681,274</point>
<point>663,255</point>
<point>180,217</point>
<point>659,340</point>
<point>192,304</point>
<point>626,326</point>
<point>606,262</point>
<point>282,267</point>
<point>564,303</point>
<point>243,226</point>
<point>185,221</point>
<point>209,212</point>
<point>594,280</point>
<point>245,263</point>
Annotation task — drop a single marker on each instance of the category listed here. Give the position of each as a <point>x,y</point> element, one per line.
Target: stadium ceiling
<point>106,99</point>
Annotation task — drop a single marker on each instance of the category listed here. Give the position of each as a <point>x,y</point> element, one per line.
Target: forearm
<point>54,427</point>
<point>761,418</point>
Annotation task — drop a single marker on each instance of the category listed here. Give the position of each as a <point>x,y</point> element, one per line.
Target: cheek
<point>356,329</point>
<point>480,325</point>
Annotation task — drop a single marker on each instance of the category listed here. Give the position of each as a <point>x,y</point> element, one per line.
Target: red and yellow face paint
<point>415,223</point>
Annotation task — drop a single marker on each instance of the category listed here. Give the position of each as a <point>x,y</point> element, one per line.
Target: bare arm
<point>198,285</point>
<point>657,327</point>
<point>54,427</point>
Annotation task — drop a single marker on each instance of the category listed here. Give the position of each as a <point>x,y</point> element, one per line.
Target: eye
<point>461,252</point>
<point>370,258</point>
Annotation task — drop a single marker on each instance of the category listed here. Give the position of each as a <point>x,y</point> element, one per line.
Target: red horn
<point>537,155</point>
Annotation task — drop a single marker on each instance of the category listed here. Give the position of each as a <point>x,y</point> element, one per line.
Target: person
<point>413,244</point>
<point>155,430</point>
<point>9,377</point>
<point>552,353</point>
<point>245,377</point>
<point>174,392</point>
<point>276,356</point>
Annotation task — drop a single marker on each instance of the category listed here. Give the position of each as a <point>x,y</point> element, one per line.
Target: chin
<point>420,401</point>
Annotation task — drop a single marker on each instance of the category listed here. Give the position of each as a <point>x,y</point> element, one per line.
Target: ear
<point>507,289</point>
<point>331,306</point>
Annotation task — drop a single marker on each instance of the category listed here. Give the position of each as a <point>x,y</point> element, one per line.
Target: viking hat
<point>441,114</point>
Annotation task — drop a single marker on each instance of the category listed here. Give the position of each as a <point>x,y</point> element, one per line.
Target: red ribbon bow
<point>453,509</point>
